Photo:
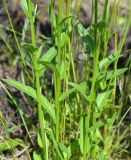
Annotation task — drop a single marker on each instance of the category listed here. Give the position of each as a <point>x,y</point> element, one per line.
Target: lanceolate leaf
<point>32,93</point>
<point>66,94</point>
<point>25,7</point>
<point>99,124</point>
<point>52,16</point>
<point>25,28</point>
<point>108,60</point>
<point>88,41</point>
<point>47,57</point>
<point>80,89</point>
<point>49,65</point>
<point>82,31</point>
<point>64,20</point>
<point>102,97</point>
<point>39,140</point>
<point>103,122</point>
<point>112,74</point>
<point>82,133</point>
<point>10,144</point>
<point>101,101</point>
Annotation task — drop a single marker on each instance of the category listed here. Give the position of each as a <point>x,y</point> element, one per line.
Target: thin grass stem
<point>37,83</point>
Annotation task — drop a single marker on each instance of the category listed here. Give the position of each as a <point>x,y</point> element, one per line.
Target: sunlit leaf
<point>47,57</point>
<point>31,92</point>
<point>112,74</point>
<point>24,6</point>
<point>82,133</point>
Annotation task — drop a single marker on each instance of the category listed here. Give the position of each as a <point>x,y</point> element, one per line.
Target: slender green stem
<point>105,18</point>
<point>66,66</point>
<point>96,56</point>
<point>105,35</point>
<point>16,39</point>
<point>3,38</point>
<point>37,83</point>
<point>95,71</point>
<point>58,81</point>
<point>32,27</point>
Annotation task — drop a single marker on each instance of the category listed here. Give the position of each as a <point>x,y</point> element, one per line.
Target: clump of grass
<point>82,119</point>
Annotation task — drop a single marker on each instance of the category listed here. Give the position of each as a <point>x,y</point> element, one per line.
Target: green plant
<point>82,119</point>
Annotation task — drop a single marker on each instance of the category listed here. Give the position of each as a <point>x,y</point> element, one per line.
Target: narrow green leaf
<point>62,69</point>
<point>101,101</point>
<point>63,38</point>
<point>108,60</point>
<point>64,20</point>
<point>39,140</point>
<point>99,124</point>
<point>24,6</point>
<point>25,28</point>
<point>88,41</point>
<point>82,31</point>
<point>22,87</point>
<point>9,144</point>
<point>82,127</point>
<point>32,93</point>
<point>49,65</point>
<point>47,57</point>
<point>37,155</point>
<point>89,44</point>
<point>39,51</point>
<point>52,16</point>
<point>80,89</point>
<point>112,74</point>
<point>102,97</point>
<point>67,94</point>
